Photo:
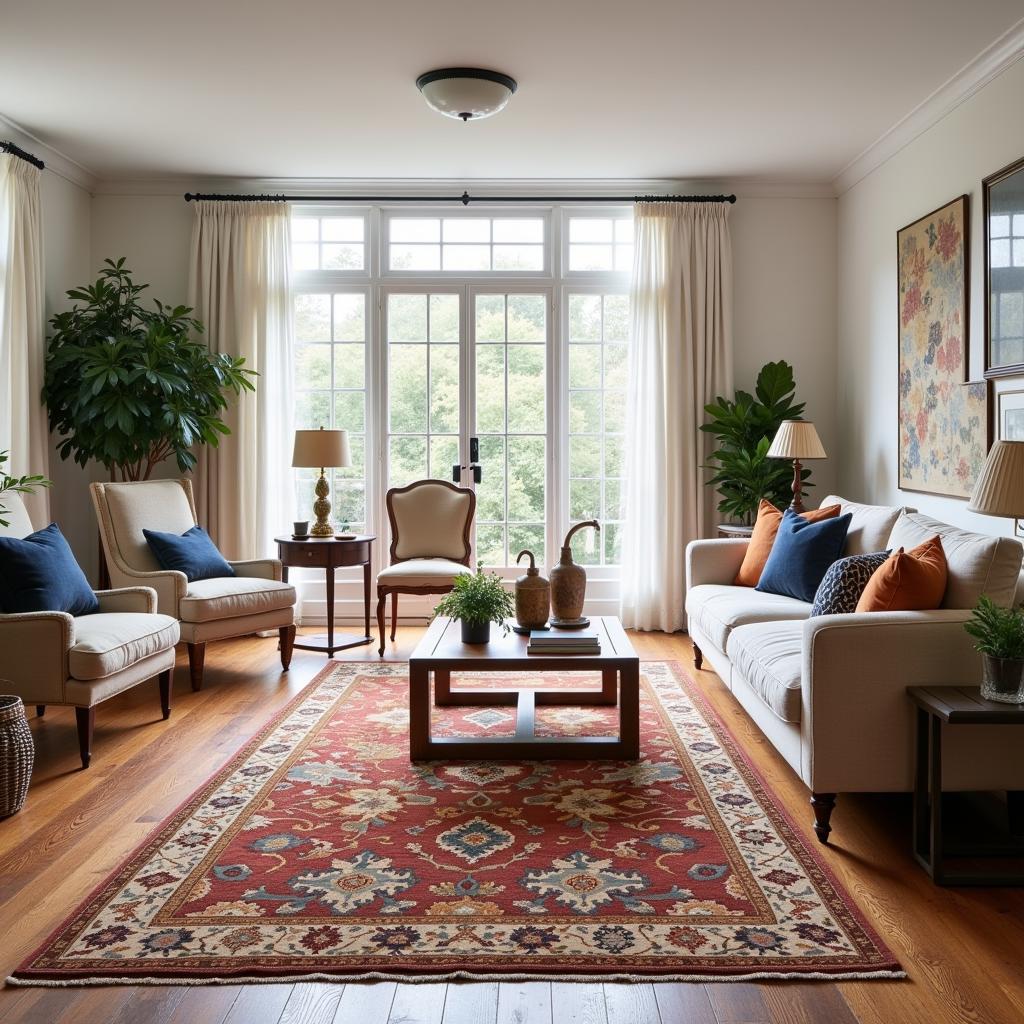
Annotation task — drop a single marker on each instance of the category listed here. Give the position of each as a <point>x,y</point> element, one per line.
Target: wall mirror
<point>1004,271</point>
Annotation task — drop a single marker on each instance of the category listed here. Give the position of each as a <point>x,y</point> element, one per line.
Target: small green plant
<point>744,428</point>
<point>16,484</point>
<point>478,598</point>
<point>999,632</point>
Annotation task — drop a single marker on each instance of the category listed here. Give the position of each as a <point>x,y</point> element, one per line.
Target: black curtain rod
<point>465,199</point>
<point>10,147</point>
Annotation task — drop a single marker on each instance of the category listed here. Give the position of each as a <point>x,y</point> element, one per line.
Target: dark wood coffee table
<point>441,652</point>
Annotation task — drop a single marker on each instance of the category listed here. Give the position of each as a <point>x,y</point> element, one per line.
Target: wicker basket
<point>17,754</point>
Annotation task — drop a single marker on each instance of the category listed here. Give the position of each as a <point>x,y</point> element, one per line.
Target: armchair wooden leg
<point>823,804</point>
<point>86,719</point>
<point>196,661</point>
<point>287,634</point>
<point>382,596</point>
<point>165,693</point>
<point>40,710</point>
<point>394,615</point>
<point>698,657</point>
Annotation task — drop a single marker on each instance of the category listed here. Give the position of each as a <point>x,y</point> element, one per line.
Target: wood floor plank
<point>527,1002</point>
<point>259,1004</point>
<point>794,1002</point>
<point>631,1004</point>
<point>207,1003</point>
<point>312,1003</point>
<point>687,1002</point>
<point>573,1003</point>
<point>471,1002</point>
<point>366,1003</point>
<point>418,1004</point>
<point>152,1004</point>
<point>738,1002</point>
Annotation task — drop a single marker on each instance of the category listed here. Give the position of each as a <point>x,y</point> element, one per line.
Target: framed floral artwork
<point>1004,271</point>
<point>943,416</point>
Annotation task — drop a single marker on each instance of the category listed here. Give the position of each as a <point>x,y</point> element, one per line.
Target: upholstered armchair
<point>80,661</point>
<point>431,522</point>
<point>252,600</point>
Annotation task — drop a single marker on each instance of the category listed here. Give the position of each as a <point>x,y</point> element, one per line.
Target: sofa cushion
<point>908,581</point>
<point>422,572</point>
<point>977,563</point>
<point>844,582</point>
<point>38,573</point>
<point>802,554</point>
<point>766,527</point>
<point>769,657</point>
<point>717,609</point>
<point>233,596</point>
<point>870,525</point>
<point>110,642</point>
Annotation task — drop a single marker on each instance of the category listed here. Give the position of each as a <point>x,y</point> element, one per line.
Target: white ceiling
<point>787,90</point>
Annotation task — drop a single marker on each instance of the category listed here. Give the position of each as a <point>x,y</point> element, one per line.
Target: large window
<point>430,335</point>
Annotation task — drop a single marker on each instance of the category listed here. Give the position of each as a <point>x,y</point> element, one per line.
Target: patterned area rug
<point>319,851</point>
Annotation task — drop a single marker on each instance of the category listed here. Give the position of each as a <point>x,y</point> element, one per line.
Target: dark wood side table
<point>939,706</point>
<point>735,530</point>
<point>330,553</point>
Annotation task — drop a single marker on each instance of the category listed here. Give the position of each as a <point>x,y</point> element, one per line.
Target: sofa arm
<point>170,585</point>
<point>714,561</point>
<point>34,655</point>
<point>258,568</point>
<point>128,599</point>
<point>856,718</point>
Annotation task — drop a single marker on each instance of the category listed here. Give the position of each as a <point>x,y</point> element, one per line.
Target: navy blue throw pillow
<point>38,573</point>
<point>844,582</point>
<point>191,552</point>
<point>802,554</point>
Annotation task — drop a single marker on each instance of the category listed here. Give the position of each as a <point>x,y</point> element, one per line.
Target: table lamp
<point>321,449</point>
<point>797,440</point>
<point>1000,487</point>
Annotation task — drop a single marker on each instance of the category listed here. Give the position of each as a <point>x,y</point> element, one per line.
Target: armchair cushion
<point>127,508</point>
<point>422,572</point>
<point>108,643</point>
<point>192,552</point>
<point>232,597</point>
<point>39,574</point>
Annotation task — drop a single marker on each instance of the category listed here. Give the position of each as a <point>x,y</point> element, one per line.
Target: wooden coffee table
<point>441,652</point>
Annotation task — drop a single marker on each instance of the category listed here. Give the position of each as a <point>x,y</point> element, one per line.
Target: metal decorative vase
<point>475,632</point>
<point>1002,679</point>
<point>17,755</point>
<point>533,597</point>
<point>569,584</point>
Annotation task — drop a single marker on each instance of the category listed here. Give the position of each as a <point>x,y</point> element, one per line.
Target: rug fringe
<point>422,979</point>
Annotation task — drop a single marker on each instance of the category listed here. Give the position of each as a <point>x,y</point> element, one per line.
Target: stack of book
<point>543,642</point>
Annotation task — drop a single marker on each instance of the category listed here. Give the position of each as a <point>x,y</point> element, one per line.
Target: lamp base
<point>322,510</point>
<point>797,504</point>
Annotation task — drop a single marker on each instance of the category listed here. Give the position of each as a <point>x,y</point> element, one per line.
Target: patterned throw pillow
<point>844,582</point>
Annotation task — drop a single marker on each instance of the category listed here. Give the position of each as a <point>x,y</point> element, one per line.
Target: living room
<point>397,458</point>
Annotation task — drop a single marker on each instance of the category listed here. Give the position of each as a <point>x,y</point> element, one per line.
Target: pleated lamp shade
<point>797,439</point>
<point>1000,487</point>
<point>321,449</point>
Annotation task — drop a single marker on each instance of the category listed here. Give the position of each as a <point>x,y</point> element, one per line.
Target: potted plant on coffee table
<point>999,633</point>
<point>476,600</point>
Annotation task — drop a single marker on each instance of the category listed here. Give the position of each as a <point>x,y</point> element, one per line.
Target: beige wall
<point>979,137</point>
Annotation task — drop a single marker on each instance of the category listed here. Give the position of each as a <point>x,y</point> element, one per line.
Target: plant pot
<point>17,755</point>
<point>475,632</point>
<point>1002,679</point>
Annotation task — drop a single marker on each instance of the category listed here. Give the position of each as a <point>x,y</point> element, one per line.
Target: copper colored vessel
<point>569,584</point>
<point>533,596</point>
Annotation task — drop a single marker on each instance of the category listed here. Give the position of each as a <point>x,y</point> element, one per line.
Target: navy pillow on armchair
<point>802,554</point>
<point>192,552</point>
<point>38,573</point>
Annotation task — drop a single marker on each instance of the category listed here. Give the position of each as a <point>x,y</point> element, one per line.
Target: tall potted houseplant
<point>128,385</point>
<point>476,600</point>
<point>743,428</point>
<point>999,636</point>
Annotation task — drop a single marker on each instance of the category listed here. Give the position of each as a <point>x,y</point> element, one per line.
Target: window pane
<point>623,257</point>
<point>527,466</point>
<point>1000,252</point>
<point>304,229</point>
<point>312,317</point>
<point>624,231</point>
<point>312,366</point>
<point>350,317</point>
<point>415,257</point>
<point>490,389</point>
<point>490,492</point>
<point>444,318</point>
<point>584,499</point>
<point>526,389</point>
<point>614,412</point>
<point>467,257</point>
<point>444,388</point>
<point>349,411</point>
<point>590,229</point>
<point>490,318</point>
<point>341,229</point>
<point>584,317</point>
<point>490,543</point>
<point>527,318</point>
<point>584,412</point>
<point>613,456</point>
<point>312,410</point>
<point>305,256</point>
<point>590,257</point>
<point>616,318</point>
<point>444,453</point>
<point>407,318</point>
<point>407,460</point>
<point>527,538</point>
<point>584,457</point>
<point>586,547</point>
<point>349,366</point>
<point>348,501</point>
<point>584,366</point>
<point>519,229</point>
<point>616,367</point>
<point>612,543</point>
<point>467,229</point>
<point>345,256</point>
<point>518,257</point>
<point>357,448</point>
<point>1018,224</point>
<point>613,499</point>
<point>1018,252</point>
<point>999,226</point>
<point>407,374</point>
<point>415,229</point>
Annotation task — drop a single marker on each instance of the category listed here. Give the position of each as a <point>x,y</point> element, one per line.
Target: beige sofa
<point>830,692</point>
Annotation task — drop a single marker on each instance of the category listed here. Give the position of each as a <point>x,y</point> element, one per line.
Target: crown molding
<point>970,79</point>
<point>55,160</point>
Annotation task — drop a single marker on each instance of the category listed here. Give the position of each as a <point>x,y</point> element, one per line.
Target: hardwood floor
<point>963,949</point>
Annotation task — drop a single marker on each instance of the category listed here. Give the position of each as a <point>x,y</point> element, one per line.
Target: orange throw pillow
<point>908,581</point>
<point>769,518</point>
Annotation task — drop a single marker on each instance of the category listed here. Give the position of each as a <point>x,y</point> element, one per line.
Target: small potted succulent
<point>477,600</point>
<point>999,633</point>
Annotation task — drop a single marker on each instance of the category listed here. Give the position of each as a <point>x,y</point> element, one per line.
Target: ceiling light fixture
<point>467,94</point>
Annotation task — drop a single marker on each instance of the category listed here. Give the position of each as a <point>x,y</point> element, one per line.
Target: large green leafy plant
<point>129,386</point>
<point>744,428</point>
<point>16,485</point>
<point>477,598</point>
<point>999,632</point>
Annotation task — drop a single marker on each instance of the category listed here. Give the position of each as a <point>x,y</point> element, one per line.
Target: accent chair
<point>80,661</point>
<point>253,600</point>
<point>431,521</point>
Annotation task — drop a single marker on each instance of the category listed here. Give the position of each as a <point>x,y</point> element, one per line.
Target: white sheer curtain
<point>23,426</point>
<point>680,359</point>
<point>239,286</point>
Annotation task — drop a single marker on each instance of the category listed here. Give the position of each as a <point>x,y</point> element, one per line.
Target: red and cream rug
<point>320,852</point>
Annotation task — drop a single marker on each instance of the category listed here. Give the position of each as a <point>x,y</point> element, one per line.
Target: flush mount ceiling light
<point>467,94</point>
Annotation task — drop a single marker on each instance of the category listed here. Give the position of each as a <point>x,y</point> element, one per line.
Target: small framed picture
<point>1007,408</point>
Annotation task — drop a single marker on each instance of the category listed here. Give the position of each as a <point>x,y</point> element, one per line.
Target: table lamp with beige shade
<point>797,440</point>
<point>1000,487</point>
<point>321,449</point>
